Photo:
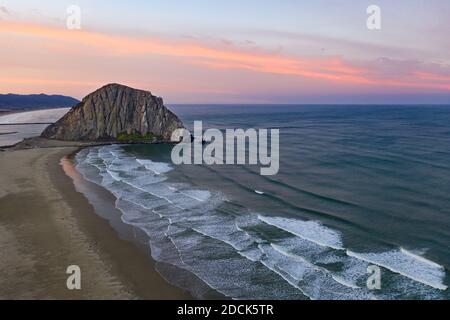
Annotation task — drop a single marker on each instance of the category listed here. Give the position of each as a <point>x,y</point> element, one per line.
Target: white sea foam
<point>399,261</point>
<point>187,231</point>
<point>335,276</point>
<point>407,264</point>
<point>422,259</point>
<point>156,167</point>
<point>314,281</point>
<point>199,195</point>
<point>309,230</point>
<point>344,282</point>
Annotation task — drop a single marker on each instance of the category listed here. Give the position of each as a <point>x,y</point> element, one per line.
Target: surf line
<point>208,147</point>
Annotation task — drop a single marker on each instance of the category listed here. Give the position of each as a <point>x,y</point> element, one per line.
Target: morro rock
<point>116,113</point>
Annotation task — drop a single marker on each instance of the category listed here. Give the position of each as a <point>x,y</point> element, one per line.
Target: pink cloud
<point>331,70</point>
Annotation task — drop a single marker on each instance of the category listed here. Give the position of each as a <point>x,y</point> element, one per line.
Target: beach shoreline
<point>47,225</point>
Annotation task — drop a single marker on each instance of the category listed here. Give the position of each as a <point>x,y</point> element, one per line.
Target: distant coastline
<point>18,102</point>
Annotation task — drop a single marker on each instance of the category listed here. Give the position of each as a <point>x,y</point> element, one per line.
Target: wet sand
<point>46,225</point>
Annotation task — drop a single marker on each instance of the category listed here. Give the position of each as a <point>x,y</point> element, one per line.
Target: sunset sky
<point>247,51</point>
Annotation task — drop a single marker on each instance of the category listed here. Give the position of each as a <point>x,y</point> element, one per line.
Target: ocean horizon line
<point>311,104</point>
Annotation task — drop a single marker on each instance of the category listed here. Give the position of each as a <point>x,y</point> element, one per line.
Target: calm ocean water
<point>357,186</point>
<point>15,127</point>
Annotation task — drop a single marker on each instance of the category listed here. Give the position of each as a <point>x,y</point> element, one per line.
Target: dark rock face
<point>114,113</point>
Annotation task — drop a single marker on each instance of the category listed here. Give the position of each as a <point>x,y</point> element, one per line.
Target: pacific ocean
<point>358,186</point>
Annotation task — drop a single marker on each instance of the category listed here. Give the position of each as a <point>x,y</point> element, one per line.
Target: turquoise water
<point>357,186</point>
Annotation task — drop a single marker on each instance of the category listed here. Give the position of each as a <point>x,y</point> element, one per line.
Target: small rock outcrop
<point>116,113</point>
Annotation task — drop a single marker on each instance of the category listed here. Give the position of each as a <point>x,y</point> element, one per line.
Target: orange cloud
<point>331,69</point>
<point>327,68</point>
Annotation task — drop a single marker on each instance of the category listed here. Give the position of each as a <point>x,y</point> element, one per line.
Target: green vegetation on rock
<point>135,137</point>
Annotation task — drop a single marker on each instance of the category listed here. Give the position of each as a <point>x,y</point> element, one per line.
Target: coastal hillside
<point>116,113</point>
<point>13,102</point>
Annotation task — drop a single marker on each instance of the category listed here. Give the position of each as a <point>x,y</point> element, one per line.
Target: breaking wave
<point>230,248</point>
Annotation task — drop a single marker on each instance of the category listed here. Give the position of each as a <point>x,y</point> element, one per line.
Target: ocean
<point>358,186</point>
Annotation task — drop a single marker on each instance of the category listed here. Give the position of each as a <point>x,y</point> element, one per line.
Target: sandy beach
<point>46,225</point>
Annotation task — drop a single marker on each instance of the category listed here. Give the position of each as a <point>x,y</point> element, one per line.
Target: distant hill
<point>35,101</point>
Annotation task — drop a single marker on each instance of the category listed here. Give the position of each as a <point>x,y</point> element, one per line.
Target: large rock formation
<point>116,113</point>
